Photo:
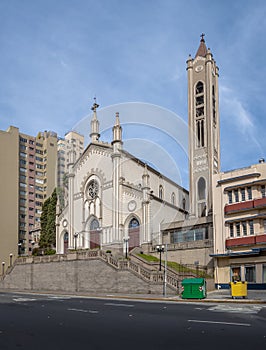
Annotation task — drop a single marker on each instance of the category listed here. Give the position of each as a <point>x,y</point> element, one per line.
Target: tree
<point>48,218</point>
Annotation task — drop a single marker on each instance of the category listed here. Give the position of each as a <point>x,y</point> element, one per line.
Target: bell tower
<point>204,126</point>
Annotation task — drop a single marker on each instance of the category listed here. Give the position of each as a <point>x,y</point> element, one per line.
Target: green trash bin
<point>194,288</point>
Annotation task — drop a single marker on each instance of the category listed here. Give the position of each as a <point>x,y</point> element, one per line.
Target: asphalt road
<point>55,322</point>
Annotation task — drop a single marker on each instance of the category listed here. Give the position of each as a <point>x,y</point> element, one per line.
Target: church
<point>116,202</point>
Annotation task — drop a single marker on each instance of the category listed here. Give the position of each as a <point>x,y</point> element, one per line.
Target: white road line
<point>224,323</point>
<point>86,311</point>
<point>115,304</point>
<point>23,299</point>
<point>77,310</point>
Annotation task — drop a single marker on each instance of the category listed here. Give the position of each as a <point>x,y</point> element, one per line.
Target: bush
<point>49,252</point>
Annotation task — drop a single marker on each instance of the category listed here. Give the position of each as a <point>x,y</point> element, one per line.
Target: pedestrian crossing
<point>242,309</point>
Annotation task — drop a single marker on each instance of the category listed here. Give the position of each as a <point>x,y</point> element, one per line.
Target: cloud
<point>239,127</point>
<point>234,108</point>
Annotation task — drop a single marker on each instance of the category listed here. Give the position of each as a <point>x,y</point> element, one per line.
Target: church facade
<point>114,200</point>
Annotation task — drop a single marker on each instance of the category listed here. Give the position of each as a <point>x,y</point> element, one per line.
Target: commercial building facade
<point>240,226</point>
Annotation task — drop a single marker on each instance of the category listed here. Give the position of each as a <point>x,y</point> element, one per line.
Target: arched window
<point>199,88</point>
<point>93,189</point>
<point>201,189</point>
<point>173,198</point>
<point>184,203</point>
<point>94,225</point>
<point>200,133</point>
<point>133,223</point>
<point>213,105</point>
<point>161,192</point>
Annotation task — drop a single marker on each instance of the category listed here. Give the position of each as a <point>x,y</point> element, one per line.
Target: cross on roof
<point>95,105</point>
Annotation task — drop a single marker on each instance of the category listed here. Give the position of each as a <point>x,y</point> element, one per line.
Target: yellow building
<point>9,170</point>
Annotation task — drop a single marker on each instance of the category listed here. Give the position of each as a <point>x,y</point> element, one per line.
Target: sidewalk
<point>216,296</point>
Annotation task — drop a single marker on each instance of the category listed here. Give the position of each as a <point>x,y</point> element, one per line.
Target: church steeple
<point>117,130</point>
<point>94,135</point>
<point>202,50</point>
<point>203,118</point>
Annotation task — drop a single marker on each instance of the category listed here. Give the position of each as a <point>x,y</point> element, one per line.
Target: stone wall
<point>91,276</point>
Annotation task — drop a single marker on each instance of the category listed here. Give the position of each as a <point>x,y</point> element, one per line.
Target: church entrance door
<point>95,239</point>
<point>65,242</point>
<point>133,233</point>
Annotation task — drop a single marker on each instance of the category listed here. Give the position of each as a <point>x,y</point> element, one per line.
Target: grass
<point>174,265</point>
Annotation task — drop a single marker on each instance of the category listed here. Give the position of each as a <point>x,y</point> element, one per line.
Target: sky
<point>56,56</point>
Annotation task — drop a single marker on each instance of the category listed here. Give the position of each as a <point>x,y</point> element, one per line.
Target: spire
<point>202,50</point>
<point>145,177</point>
<point>117,130</point>
<point>94,123</point>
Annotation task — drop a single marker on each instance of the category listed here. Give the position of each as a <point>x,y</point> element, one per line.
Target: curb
<point>138,298</point>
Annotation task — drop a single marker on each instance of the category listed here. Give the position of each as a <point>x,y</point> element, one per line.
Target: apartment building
<point>240,226</point>
<point>71,140</point>
<point>9,170</point>
<point>37,180</point>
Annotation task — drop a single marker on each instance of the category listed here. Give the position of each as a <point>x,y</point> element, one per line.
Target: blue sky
<point>57,55</point>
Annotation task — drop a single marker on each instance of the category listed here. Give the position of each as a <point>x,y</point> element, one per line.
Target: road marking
<point>82,310</point>
<point>114,304</point>
<point>247,309</point>
<point>59,298</point>
<point>224,323</point>
<point>23,299</point>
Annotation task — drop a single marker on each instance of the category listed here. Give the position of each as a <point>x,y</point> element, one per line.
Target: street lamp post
<point>160,249</point>
<point>3,268</point>
<point>10,259</point>
<point>75,240</point>
<point>126,239</point>
<point>19,248</point>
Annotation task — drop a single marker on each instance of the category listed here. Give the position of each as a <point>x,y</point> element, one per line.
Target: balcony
<point>244,206</point>
<point>245,241</point>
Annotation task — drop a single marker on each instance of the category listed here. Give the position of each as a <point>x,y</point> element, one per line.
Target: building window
<point>133,223</point>
<point>238,229</point>
<point>231,230</point>
<point>264,274</point>
<point>184,203</point>
<point>230,197</point>
<point>93,189</point>
<point>262,189</point>
<point>213,105</point>
<point>244,228</point>
<point>264,226</point>
<point>235,273</point>
<point>161,192</point>
<point>196,234</point>
<point>173,198</point>
<point>199,88</point>
<point>201,189</point>
<point>236,195</point>
<point>250,274</point>
<point>251,227</point>
<point>249,193</point>
<point>200,134</point>
<point>243,194</point>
